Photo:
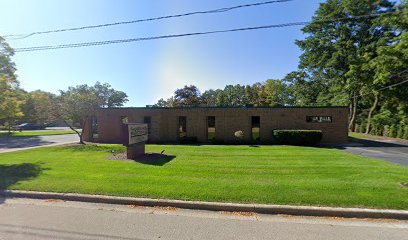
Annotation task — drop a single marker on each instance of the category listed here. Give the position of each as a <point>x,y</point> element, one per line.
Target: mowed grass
<point>263,174</point>
<point>36,133</point>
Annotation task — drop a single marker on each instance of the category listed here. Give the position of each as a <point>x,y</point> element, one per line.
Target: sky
<point>150,70</point>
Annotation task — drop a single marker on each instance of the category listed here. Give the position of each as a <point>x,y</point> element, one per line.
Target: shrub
<point>386,131</point>
<point>393,131</point>
<point>239,134</point>
<point>406,132</point>
<point>375,130</point>
<point>400,133</point>
<point>297,137</point>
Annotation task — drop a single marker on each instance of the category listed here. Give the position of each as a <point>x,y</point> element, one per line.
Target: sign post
<point>134,138</point>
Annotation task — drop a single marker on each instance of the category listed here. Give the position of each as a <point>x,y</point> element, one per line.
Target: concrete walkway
<point>389,150</point>
<point>52,219</point>
<point>10,144</point>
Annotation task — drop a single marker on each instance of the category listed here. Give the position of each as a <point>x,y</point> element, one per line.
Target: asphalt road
<point>385,149</point>
<point>51,219</point>
<point>9,144</point>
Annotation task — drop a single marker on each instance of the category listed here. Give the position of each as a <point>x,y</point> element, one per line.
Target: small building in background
<point>217,124</point>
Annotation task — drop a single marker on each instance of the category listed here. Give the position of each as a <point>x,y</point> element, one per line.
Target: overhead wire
<point>219,10</point>
<point>118,41</point>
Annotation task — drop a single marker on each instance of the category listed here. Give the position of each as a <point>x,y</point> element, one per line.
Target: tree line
<point>349,62</point>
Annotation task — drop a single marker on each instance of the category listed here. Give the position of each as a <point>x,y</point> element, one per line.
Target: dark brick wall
<point>164,122</point>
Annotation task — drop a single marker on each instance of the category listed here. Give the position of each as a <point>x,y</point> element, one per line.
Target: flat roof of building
<point>248,107</point>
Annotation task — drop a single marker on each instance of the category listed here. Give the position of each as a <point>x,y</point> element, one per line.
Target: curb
<point>216,206</point>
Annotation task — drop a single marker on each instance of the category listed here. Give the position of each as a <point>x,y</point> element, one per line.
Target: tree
<point>339,52</point>
<point>187,96</point>
<point>303,89</point>
<point>390,65</point>
<point>10,101</point>
<point>108,96</point>
<point>40,107</point>
<point>11,97</point>
<point>274,93</point>
<point>165,103</point>
<point>233,95</point>
<point>209,97</point>
<point>82,100</point>
<point>7,66</point>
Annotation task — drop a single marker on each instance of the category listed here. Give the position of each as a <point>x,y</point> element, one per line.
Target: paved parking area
<point>10,144</point>
<point>387,150</point>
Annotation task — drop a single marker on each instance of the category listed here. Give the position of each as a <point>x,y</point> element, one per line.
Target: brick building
<point>206,123</point>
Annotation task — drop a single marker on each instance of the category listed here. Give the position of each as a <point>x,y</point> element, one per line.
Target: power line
<point>219,10</point>
<point>118,41</point>
<point>87,44</point>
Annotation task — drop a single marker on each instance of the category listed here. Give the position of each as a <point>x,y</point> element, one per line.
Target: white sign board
<point>137,133</point>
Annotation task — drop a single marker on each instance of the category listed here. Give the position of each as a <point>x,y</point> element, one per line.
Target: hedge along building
<point>206,123</point>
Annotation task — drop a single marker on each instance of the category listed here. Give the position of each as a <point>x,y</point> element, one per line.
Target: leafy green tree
<point>393,131</point>
<point>80,101</point>
<point>232,95</point>
<point>406,132</point>
<point>40,107</point>
<point>11,96</point>
<point>108,96</point>
<point>338,53</point>
<point>187,96</point>
<point>400,132</point>
<point>274,93</point>
<point>209,97</point>
<point>162,103</point>
<point>7,66</point>
<point>386,131</point>
<point>10,101</point>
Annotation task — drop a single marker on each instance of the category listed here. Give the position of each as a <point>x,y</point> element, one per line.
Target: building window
<point>255,128</point>
<point>319,119</point>
<point>124,119</point>
<point>94,128</point>
<point>182,127</point>
<point>211,128</point>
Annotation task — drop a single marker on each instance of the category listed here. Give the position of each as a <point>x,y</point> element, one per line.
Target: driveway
<point>10,144</point>
<point>383,149</point>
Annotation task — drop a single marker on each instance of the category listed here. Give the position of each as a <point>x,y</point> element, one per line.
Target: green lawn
<point>264,174</point>
<point>37,133</point>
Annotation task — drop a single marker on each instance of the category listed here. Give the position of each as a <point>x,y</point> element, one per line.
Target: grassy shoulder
<point>36,133</point>
<point>353,135</point>
<point>362,135</point>
<point>264,174</point>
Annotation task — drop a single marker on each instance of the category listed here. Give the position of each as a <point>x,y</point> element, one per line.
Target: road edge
<point>27,148</point>
<point>215,206</point>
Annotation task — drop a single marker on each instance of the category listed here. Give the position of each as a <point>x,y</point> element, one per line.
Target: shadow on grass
<point>155,159</point>
<point>12,174</point>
